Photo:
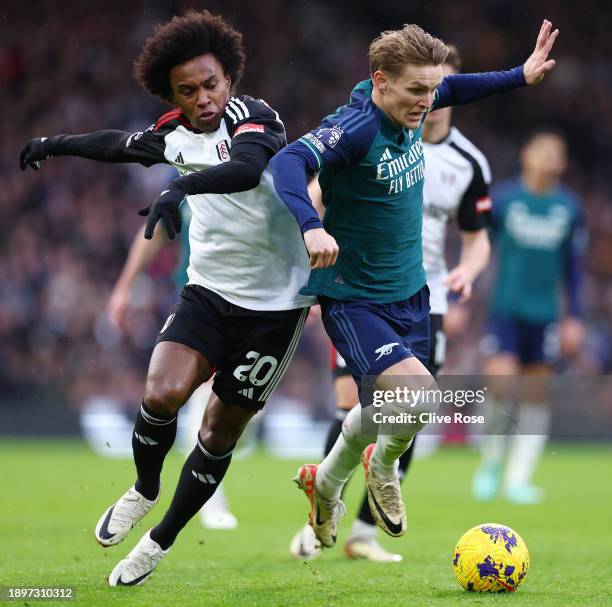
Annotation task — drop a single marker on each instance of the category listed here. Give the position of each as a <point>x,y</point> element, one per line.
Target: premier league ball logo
<point>330,136</point>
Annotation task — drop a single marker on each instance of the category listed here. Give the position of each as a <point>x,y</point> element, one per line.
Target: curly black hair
<point>181,39</point>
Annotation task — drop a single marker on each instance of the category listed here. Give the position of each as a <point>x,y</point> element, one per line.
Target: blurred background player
<point>215,514</point>
<point>538,236</point>
<point>457,178</point>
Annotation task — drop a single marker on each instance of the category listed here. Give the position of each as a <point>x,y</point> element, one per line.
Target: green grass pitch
<point>53,492</point>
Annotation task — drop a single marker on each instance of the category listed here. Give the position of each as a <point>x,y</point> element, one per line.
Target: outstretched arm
<point>145,147</point>
<point>459,89</point>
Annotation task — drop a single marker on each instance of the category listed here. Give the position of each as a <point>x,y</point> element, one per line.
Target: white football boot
<point>524,495</point>
<point>304,545</point>
<point>324,513</point>
<point>139,564</point>
<point>215,513</point>
<point>370,550</point>
<point>118,520</point>
<point>385,498</point>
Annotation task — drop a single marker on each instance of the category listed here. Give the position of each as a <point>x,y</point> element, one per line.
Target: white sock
<point>388,450</point>
<point>393,440</point>
<point>498,425</point>
<point>336,468</point>
<point>362,530</point>
<point>528,444</point>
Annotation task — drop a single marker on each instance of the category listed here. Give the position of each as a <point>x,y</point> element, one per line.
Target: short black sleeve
<point>474,212</point>
<point>251,120</point>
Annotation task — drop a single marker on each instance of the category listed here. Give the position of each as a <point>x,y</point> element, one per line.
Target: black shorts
<point>437,350</point>
<point>249,349</point>
<point>437,344</point>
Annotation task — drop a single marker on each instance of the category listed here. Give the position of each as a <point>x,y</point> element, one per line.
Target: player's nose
<point>427,100</point>
<point>203,98</point>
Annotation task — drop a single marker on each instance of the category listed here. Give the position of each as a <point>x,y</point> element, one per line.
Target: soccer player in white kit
<point>241,314</point>
<point>457,179</point>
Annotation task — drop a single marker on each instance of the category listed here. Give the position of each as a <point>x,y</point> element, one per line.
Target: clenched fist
<point>322,248</point>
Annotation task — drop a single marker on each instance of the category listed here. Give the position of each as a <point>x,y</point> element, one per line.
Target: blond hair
<point>393,49</point>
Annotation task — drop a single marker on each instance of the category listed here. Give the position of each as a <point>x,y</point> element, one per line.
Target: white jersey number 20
<point>257,372</point>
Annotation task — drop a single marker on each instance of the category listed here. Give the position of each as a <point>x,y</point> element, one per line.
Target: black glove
<point>166,208</point>
<point>35,152</point>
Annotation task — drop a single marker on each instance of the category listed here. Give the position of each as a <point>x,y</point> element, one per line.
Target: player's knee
<point>502,364</point>
<point>501,371</point>
<point>346,404</point>
<point>410,388</point>
<point>218,439</point>
<point>165,397</point>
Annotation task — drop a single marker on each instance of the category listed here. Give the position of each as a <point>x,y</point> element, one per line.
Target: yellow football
<point>490,558</point>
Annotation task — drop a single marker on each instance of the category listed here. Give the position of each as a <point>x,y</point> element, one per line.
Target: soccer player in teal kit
<point>537,229</point>
<point>367,255</point>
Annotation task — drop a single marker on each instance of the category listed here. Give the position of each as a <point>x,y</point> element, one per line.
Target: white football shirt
<point>457,177</point>
<point>245,246</point>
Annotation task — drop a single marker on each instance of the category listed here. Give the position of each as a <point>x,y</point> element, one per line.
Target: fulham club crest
<point>223,151</point>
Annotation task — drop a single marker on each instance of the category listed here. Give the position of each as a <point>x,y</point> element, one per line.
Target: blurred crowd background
<point>65,67</point>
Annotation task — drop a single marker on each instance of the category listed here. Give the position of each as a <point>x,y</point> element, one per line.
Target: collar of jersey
<point>363,90</point>
<point>183,120</point>
<point>551,193</point>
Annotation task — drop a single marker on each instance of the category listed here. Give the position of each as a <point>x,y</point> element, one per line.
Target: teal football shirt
<point>539,241</point>
<point>371,175</point>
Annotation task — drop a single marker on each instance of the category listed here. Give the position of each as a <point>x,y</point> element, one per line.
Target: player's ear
<point>380,81</point>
